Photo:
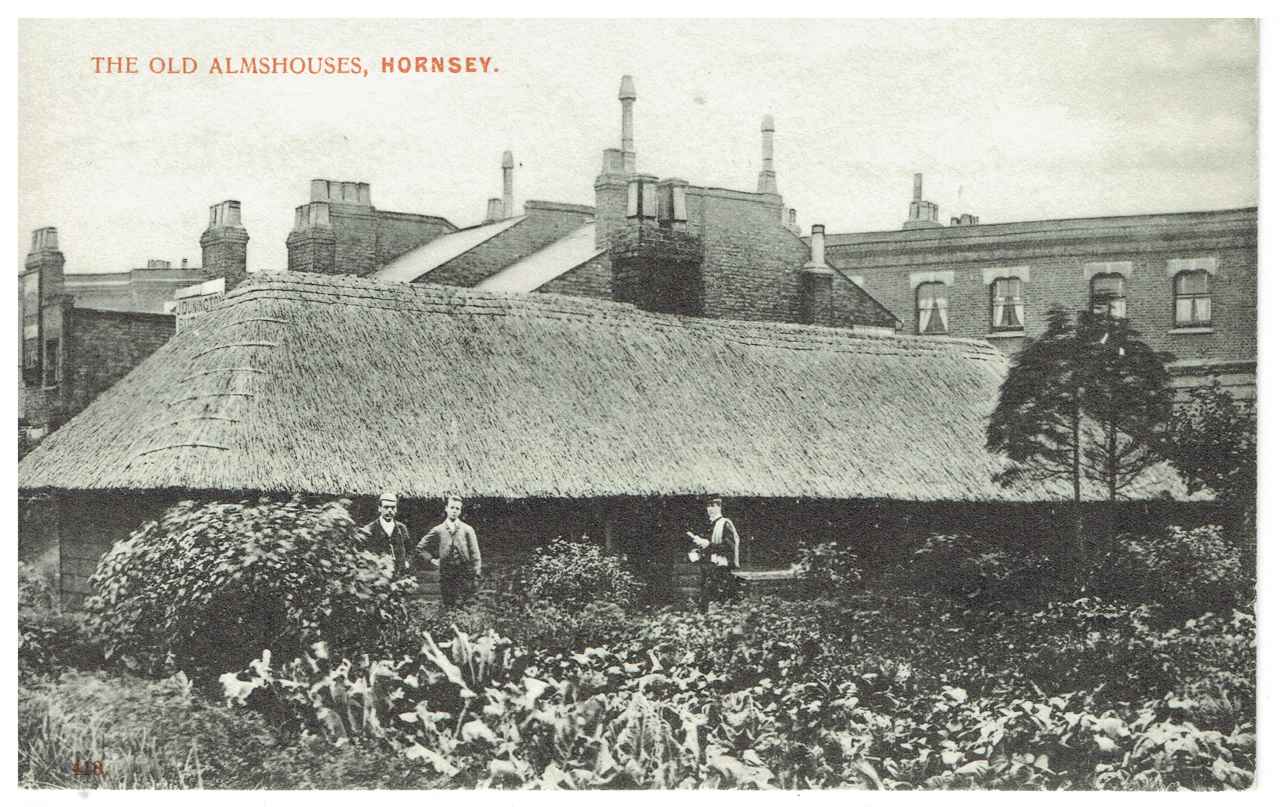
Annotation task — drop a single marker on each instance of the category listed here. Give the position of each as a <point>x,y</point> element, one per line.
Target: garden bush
<point>972,570</point>
<point>209,584</point>
<point>49,640</point>
<point>829,568</point>
<point>1186,572</point>
<point>573,574</point>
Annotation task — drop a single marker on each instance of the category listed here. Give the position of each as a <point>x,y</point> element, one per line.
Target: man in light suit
<point>457,554</point>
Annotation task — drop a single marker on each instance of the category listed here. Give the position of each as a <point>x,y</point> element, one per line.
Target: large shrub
<point>970,569</point>
<point>209,584</point>
<point>573,574</point>
<point>1186,571</point>
<point>829,569</point>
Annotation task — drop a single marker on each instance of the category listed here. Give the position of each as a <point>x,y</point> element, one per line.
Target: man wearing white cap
<point>386,535</point>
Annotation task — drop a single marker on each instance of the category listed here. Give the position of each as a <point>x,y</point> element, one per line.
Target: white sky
<point>1008,119</point>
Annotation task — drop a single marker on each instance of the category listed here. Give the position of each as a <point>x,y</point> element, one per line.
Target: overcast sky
<point>1010,120</point>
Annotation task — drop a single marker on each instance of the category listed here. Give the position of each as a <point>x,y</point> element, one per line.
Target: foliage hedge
<point>573,574</point>
<point>209,584</point>
<point>1184,571</point>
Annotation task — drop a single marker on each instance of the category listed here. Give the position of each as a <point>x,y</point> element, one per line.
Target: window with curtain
<point>931,308</point>
<point>1006,304</point>
<point>1106,295</point>
<point>1192,303</point>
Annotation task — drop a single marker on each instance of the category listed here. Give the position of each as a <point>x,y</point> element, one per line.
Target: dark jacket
<point>729,542</point>
<point>396,545</point>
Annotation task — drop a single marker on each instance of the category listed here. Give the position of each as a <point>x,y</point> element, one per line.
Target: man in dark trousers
<point>457,554</point>
<point>388,536</point>
<point>717,557</point>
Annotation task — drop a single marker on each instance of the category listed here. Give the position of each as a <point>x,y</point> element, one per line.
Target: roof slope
<point>536,270</point>
<point>420,260</point>
<point>325,384</point>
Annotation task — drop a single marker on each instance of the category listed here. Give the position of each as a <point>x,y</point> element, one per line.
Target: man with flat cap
<point>388,536</point>
<point>717,557</point>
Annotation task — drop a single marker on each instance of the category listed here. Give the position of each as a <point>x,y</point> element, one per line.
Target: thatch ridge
<point>352,386</point>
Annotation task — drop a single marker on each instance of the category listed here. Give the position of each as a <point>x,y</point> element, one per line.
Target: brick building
<point>1186,281</point>
<point>661,244</point>
<point>81,333</point>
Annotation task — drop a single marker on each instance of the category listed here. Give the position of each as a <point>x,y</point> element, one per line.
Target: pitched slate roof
<point>536,270</point>
<point>419,261</point>
<point>311,383</point>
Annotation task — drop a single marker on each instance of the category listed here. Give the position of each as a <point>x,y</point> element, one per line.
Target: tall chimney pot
<point>817,247</point>
<point>627,95</point>
<point>768,179</point>
<point>508,185</point>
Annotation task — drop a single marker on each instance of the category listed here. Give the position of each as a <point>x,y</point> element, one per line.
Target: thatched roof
<point>322,384</point>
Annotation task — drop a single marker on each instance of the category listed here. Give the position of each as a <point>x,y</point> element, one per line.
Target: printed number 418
<point>87,768</point>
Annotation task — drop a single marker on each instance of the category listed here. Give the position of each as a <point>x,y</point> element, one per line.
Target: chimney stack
<point>508,185</point>
<point>791,221</point>
<point>816,307</point>
<point>45,257</point>
<point>768,180</point>
<point>817,247</point>
<point>493,212</point>
<point>627,95</point>
<point>224,244</point>
<point>922,214</point>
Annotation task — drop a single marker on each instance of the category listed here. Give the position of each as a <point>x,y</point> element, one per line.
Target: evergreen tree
<point>1086,400</point>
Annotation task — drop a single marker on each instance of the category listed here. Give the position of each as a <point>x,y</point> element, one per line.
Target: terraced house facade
<point>1186,281</point>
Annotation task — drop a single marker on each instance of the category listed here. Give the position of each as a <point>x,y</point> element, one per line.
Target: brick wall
<point>752,263</point>
<point>592,279</point>
<point>544,223</point>
<point>658,269</point>
<point>312,250</point>
<point>140,290</point>
<point>355,231</point>
<point>1056,263</point>
<point>397,233</point>
<point>101,347</point>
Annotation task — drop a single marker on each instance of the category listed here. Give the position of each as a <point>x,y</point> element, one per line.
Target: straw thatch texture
<point>343,385</point>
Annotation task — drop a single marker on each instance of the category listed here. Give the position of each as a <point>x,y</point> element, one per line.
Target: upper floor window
<point>1192,303</point>
<point>30,303</point>
<point>1006,304</point>
<point>1106,295</point>
<point>931,308</point>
